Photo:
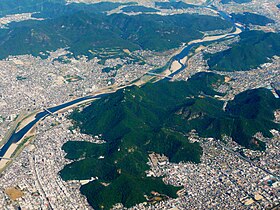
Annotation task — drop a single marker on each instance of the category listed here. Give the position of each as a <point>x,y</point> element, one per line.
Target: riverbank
<point>173,67</point>
<point>183,55</point>
<point>33,117</point>
<point>15,149</point>
<point>25,121</point>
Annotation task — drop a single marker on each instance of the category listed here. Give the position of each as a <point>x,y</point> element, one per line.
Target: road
<point>249,161</point>
<point>37,180</point>
<point>185,52</point>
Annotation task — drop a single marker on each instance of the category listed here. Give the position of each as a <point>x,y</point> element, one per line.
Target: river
<point>17,136</point>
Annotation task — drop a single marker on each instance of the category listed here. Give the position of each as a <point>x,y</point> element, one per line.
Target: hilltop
<point>156,118</point>
<point>83,31</point>
<point>248,18</point>
<point>253,49</point>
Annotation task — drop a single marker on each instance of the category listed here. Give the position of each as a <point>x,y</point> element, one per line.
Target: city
<point>229,176</point>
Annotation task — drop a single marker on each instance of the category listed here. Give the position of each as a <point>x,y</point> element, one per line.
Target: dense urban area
<point>229,176</point>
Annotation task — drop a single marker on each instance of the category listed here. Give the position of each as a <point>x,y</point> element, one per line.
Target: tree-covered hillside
<point>253,49</point>
<point>84,31</point>
<point>156,118</point>
<point>136,8</point>
<point>248,18</point>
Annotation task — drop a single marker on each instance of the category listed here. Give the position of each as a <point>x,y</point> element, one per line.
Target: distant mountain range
<point>83,30</point>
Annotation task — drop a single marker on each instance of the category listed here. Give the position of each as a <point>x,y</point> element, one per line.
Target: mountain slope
<point>253,49</point>
<point>156,118</point>
<point>84,30</point>
<point>248,18</point>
